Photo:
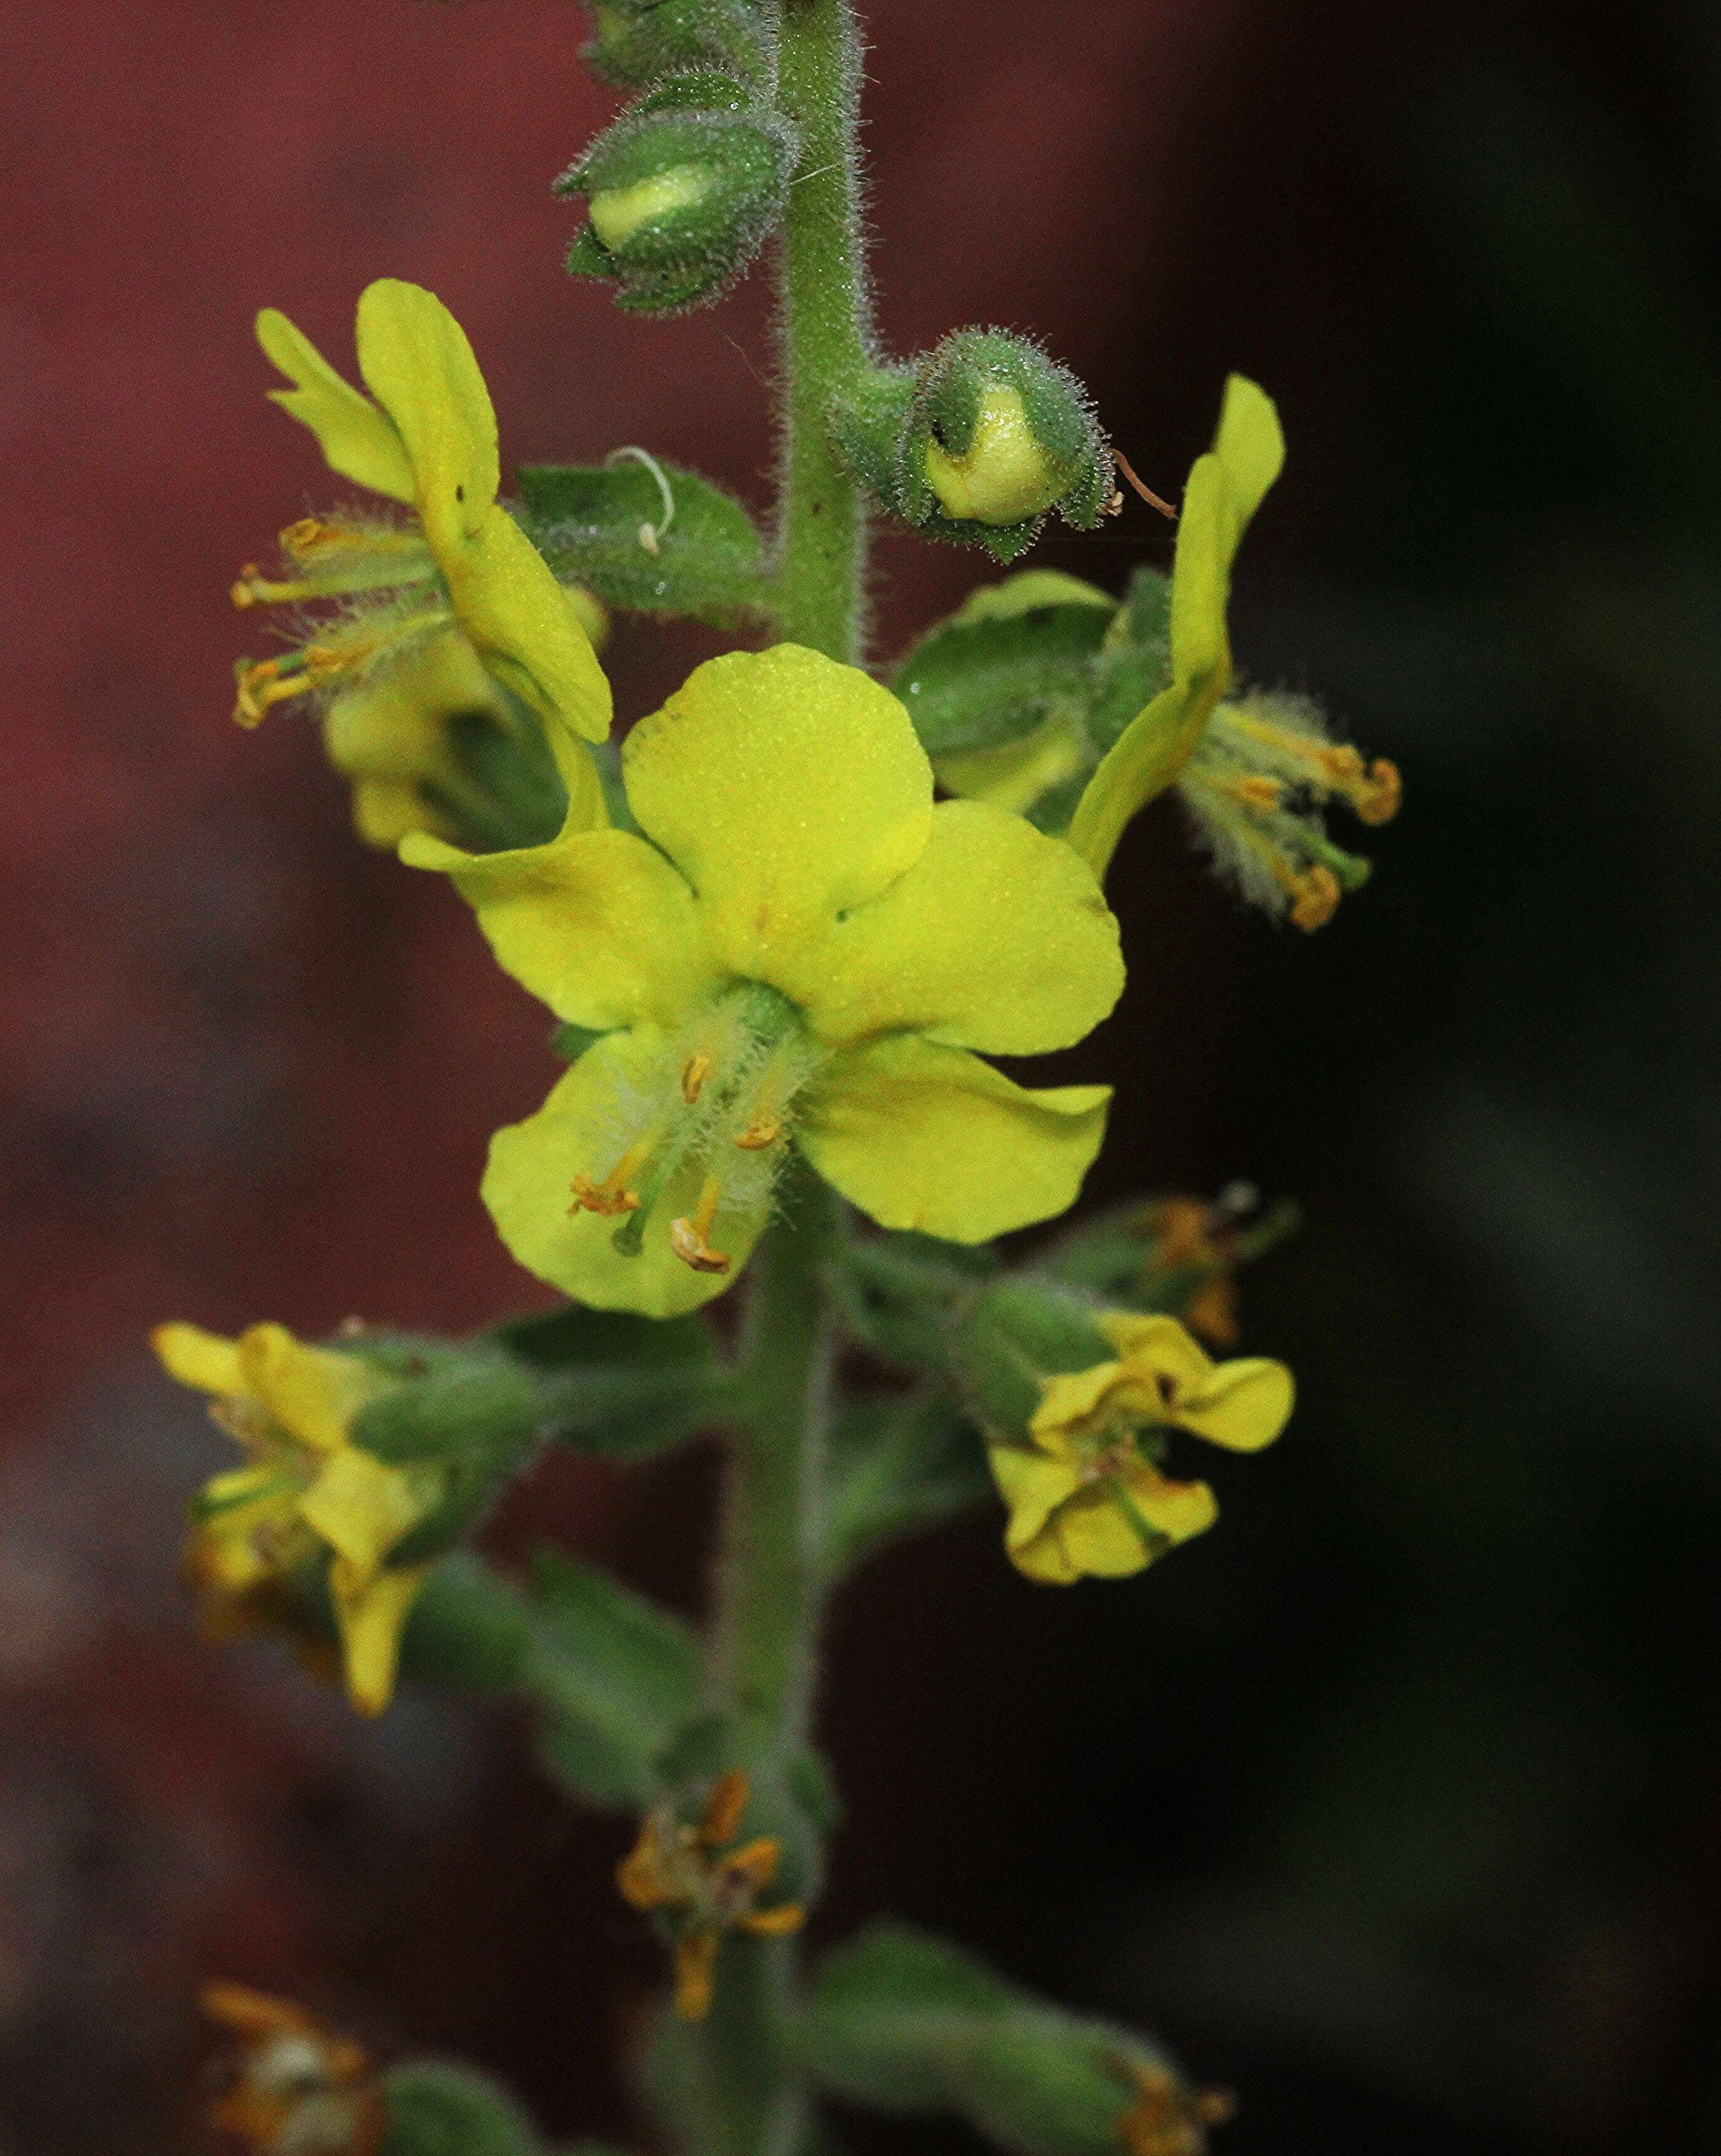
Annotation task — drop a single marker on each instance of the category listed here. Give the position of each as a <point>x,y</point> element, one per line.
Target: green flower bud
<point>977,441</point>
<point>683,191</point>
<point>640,41</point>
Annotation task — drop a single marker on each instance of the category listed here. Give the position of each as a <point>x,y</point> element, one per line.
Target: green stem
<point>821,530</point>
<point>764,1637</point>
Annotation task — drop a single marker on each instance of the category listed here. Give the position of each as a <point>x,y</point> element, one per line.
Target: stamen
<point>690,1240</point>
<point>695,1072</point>
<point>1258,792</point>
<point>614,1194</point>
<point>313,537</point>
<point>765,1130</point>
<point>1378,799</point>
<point>266,682</point>
<point>1314,897</point>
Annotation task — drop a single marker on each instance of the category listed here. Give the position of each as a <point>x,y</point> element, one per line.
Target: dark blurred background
<point>1394,1802</point>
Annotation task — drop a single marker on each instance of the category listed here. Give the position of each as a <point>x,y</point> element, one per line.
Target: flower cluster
<point>292,2087</point>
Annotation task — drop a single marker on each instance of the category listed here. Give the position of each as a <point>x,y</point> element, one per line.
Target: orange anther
<point>764,1131</point>
<point>1378,799</point>
<point>1259,793</point>
<point>608,1197</point>
<point>724,1808</point>
<point>1314,898</point>
<point>690,1246</point>
<point>695,1072</point>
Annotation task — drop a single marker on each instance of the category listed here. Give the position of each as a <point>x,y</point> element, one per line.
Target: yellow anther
<point>264,684</point>
<point>605,1197</point>
<point>695,1072</point>
<point>1377,798</point>
<point>614,1193</point>
<point>1314,897</point>
<point>243,592</point>
<point>691,1238</point>
<point>1342,765</point>
<point>1258,792</point>
<point>765,1130</point>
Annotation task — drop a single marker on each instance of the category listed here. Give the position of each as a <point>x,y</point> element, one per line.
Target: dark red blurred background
<point>1392,1802</point>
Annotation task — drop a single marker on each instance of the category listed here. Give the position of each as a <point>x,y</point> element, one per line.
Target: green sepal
<point>1022,1329</point>
<point>586,520</point>
<point>897,1466</point>
<point>900,1293</point>
<point>636,41</point>
<point>571,1042</point>
<point>1136,663</point>
<point>869,423</point>
<point>617,1385</point>
<point>616,1679</point>
<point>907,2023</point>
<point>469,1630</point>
<point>437,2109</point>
<point>978,683</point>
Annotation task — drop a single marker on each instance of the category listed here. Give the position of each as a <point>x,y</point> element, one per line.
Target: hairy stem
<point>821,525</point>
<point>765,1639</point>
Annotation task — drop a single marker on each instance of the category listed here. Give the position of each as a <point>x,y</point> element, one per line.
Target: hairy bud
<point>641,41</point>
<point>682,191</point>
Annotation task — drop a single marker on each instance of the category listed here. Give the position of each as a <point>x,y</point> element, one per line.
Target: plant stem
<point>822,526</point>
<point>764,1637</point>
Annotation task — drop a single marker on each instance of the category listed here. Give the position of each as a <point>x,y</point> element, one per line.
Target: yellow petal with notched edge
<point>598,925</point>
<point>1241,1404</point>
<point>1225,488</point>
<point>997,938</point>
<point>932,1138</point>
<point>582,1129</point>
<point>530,633</point>
<point>787,788</point>
<point>371,1612</point>
<point>361,1506</point>
<point>203,1360</point>
<point>313,1393</point>
<point>358,440</point>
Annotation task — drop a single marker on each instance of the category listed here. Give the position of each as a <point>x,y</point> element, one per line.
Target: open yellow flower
<point>428,441</point>
<point>307,1489</point>
<point>800,949</point>
<point>1083,1495</point>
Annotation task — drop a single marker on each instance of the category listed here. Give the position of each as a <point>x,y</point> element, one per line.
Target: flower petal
<point>313,1393</point>
<point>582,1128</point>
<point>997,938</point>
<point>788,789</point>
<point>203,1360</point>
<point>597,924</point>
<point>372,1613</point>
<point>932,1138</point>
<point>1243,1404</point>
<point>1225,488</point>
<point>1098,1537</point>
<point>1177,1509</point>
<point>531,632</point>
<point>358,441</point>
<point>361,1507</point>
<point>417,364</point>
<point>1032,1488</point>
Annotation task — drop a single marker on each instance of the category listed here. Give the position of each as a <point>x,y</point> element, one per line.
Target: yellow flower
<point>1083,1495</point>
<point>800,949</point>
<point>404,738</point>
<point>428,441</point>
<point>700,1883</point>
<point>296,2088</point>
<point>307,1489</point>
<point>1225,488</point>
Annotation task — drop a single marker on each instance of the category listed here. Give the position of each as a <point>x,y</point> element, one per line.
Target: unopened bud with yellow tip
<point>682,192</point>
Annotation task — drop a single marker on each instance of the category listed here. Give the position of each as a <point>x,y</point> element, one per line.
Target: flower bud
<point>639,41</point>
<point>978,440</point>
<point>683,191</point>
